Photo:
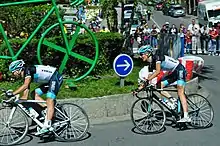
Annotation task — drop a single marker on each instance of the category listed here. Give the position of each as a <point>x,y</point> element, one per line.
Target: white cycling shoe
<point>185,120</point>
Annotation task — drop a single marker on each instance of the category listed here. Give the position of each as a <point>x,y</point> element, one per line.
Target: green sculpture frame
<point>67,50</point>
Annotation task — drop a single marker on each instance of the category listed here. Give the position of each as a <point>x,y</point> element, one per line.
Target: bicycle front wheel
<point>13,126</point>
<point>148,117</point>
<point>200,110</point>
<point>76,125</point>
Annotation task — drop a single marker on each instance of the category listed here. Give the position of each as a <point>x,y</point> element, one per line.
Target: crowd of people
<point>192,37</point>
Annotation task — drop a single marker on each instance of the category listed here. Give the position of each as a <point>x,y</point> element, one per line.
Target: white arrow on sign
<point>126,65</point>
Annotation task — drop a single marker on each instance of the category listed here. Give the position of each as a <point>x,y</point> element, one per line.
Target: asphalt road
<point>121,133</point>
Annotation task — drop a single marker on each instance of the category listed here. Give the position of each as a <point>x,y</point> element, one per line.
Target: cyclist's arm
<point>24,87</point>
<point>156,73</point>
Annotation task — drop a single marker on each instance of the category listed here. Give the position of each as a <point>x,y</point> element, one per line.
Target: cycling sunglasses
<point>148,55</point>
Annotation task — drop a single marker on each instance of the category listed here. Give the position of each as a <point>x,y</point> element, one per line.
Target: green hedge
<point>110,45</point>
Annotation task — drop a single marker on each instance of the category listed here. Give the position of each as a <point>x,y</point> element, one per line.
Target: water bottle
<point>33,113</point>
<point>178,106</point>
<point>43,113</point>
<point>168,103</point>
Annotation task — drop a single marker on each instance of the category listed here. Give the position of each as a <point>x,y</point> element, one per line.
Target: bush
<point>110,45</point>
<point>26,18</point>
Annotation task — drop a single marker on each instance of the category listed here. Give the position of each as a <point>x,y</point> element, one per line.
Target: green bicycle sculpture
<point>69,41</point>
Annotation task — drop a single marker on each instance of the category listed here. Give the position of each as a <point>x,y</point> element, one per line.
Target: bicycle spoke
<point>83,58</point>
<point>74,37</point>
<point>54,46</point>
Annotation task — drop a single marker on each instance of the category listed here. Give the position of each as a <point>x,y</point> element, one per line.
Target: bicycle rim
<point>76,127</point>
<point>148,117</point>
<point>13,132</point>
<point>200,111</point>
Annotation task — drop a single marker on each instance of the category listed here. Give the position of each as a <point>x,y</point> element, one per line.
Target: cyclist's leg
<point>165,82</point>
<point>42,89</point>
<point>54,86</point>
<point>181,81</point>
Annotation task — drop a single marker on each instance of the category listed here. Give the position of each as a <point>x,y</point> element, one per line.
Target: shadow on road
<point>27,139</point>
<point>52,138</point>
<point>136,131</point>
<point>170,123</point>
<point>206,73</point>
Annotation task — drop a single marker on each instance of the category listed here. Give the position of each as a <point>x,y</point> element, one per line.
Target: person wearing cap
<point>178,73</point>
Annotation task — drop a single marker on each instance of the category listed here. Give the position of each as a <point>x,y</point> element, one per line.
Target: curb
<point>116,107</point>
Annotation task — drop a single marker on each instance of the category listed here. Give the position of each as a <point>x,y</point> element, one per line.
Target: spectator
<point>164,29</point>
<point>154,36</point>
<point>173,30</point>
<point>204,38</point>
<point>182,32</point>
<point>188,42</point>
<point>148,14</point>
<point>212,43</point>
<point>218,39</point>
<point>167,24</point>
<point>194,29</point>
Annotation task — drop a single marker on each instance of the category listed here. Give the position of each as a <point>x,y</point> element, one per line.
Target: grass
<point>109,84</point>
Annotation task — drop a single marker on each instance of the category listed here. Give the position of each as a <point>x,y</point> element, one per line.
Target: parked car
<point>177,11</point>
<point>159,6</point>
<point>174,10</point>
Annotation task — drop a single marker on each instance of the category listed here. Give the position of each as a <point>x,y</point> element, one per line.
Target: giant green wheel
<point>55,51</point>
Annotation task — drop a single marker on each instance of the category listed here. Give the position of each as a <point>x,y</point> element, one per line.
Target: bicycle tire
<point>61,58</point>
<point>69,138</point>
<point>20,115</point>
<point>152,111</point>
<point>195,114</point>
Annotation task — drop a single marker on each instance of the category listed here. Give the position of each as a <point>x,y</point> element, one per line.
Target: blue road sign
<point>123,65</point>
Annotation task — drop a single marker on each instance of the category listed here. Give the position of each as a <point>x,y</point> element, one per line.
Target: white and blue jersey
<point>40,73</point>
<point>167,63</point>
<point>170,64</point>
<point>49,78</point>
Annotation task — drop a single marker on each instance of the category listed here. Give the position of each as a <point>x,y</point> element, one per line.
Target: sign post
<point>123,65</point>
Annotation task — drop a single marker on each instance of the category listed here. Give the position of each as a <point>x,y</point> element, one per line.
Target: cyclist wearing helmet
<point>169,64</point>
<point>50,80</point>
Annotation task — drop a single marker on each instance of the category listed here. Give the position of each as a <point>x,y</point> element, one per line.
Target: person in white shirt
<point>194,29</point>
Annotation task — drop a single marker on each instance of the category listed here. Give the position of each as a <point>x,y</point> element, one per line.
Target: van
<point>208,12</point>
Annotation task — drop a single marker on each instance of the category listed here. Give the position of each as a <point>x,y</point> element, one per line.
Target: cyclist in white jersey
<point>178,73</point>
<point>50,81</point>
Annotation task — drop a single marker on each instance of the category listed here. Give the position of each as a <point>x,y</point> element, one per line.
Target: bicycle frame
<point>18,103</point>
<point>53,9</point>
<point>154,96</point>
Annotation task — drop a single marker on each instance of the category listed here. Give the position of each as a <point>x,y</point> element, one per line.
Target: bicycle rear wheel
<point>13,130</point>
<point>73,122</point>
<point>200,110</point>
<point>148,117</point>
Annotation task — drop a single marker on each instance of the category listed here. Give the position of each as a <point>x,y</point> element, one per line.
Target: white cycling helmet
<point>16,65</point>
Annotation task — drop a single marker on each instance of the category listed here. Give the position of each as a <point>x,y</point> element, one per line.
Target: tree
<point>109,12</point>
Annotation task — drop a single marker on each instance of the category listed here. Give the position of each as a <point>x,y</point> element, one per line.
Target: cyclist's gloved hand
<point>135,91</point>
<point>9,93</point>
<point>146,83</point>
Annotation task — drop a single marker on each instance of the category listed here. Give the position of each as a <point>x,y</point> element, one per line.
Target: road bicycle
<point>148,114</point>
<point>68,40</point>
<point>70,121</point>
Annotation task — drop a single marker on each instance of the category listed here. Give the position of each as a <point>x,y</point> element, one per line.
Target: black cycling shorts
<point>52,87</point>
<point>179,75</point>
